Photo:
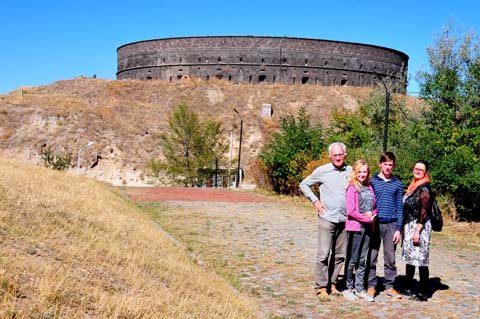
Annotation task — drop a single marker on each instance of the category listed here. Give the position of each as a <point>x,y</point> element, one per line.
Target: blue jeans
<point>383,234</point>
<point>331,252</point>
<point>357,255</point>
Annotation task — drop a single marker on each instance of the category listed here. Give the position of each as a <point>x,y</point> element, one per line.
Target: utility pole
<point>387,111</point>
<point>237,180</point>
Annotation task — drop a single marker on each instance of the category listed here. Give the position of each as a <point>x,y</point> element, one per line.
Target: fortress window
<point>306,71</point>
<point>250,79</point>
<point>262,70</point>
<point>241,60</point>
<point>263,61</point>
<point>284,61</point>
<point>199,60</point>
<point>180,70</point>
<point>181,60</point>
<point>149,77</point>
<point>206,60</point>
<point>219,69</point>
<point>305,79</point>
<point>294,80</point>
<point>262,78</point>
<point>179,77</point>
<point>306,62</point>
<point>273,79</point>
<point>219,59</point>
<point>230,78</point>
<point>326,63</point>
<point>163,60</point>
<point>219,76</point>
<point>343,82</point>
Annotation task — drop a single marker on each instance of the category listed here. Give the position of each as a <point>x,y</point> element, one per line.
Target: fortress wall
<point>249,59</point>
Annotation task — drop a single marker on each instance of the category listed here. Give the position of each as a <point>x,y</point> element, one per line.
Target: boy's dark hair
<point>387,157</point>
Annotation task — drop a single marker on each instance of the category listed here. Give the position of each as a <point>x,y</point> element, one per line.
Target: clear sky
<point>50,40</point>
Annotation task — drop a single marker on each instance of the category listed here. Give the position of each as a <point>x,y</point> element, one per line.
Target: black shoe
<point>406,292</point>
<point>419,297</point>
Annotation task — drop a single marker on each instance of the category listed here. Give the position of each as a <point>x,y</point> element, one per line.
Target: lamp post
<point>387,111</point>
<point>79,155</point>
<point>237,180</point>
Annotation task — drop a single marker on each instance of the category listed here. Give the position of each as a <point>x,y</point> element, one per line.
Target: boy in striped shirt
<point>388,192</point>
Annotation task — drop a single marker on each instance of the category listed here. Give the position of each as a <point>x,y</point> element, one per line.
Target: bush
<point>59,162</point>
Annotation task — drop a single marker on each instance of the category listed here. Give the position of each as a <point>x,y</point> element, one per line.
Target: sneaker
<point>349,294</point>
<point>419,297</point>
<point>322,294</point>
<point>393,293</point>
<point>406,292</point>
<point>334,290</point>
<point>364,295</point>
<point>371,291</point>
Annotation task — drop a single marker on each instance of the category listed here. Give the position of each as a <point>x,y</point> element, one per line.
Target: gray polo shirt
<point>333,183</point>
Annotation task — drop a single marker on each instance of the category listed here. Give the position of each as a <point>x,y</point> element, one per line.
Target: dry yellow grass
<point>72,247</point>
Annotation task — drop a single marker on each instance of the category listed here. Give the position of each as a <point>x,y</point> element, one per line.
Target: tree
<point>452,88</point>
<point>190,145</point>
<point>59,162</point>
<point>285,158</point>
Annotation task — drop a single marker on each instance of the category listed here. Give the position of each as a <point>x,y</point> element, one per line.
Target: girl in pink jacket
<point>361,211</point>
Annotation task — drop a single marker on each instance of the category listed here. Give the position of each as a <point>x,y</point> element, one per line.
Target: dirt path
<point>271,247</point>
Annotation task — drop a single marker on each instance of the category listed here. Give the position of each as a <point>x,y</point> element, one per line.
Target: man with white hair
<point>330,208</point>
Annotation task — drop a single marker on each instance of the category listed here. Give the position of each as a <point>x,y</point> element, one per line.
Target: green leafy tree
<point>189,146</point>
<point>452,88</point>
<point>296,144</point>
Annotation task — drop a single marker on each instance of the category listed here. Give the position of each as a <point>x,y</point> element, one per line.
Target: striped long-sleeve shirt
<point>389,195</point>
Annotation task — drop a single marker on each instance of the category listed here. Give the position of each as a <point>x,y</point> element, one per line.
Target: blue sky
<point>46,41</point>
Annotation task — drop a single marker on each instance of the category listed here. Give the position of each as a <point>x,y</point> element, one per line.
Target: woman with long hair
<point>417,229</point>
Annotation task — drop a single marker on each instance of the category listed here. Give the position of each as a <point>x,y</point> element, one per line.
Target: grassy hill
<point>72,247</point>
<point>125,118</point>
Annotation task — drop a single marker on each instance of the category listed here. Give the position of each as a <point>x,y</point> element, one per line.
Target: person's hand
<point>397,237</point>
<point>319,207</point>
<point>416,238</point>
<point>368,214</point>
<point>372,218</point>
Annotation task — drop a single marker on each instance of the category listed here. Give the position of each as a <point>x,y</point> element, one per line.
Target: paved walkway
<point>271,245</point>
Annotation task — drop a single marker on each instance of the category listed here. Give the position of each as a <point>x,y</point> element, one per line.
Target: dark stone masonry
<point>258,59</point>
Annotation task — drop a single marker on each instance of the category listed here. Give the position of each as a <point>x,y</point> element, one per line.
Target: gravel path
<point>271,246</point>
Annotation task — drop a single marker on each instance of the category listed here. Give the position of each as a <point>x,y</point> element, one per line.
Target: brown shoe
<point>322,294</point>
<point>334,290</point>
<point>392,293</point>
<point>371,291</point>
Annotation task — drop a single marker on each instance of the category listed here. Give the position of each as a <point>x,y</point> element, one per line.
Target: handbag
<point>436,217</point>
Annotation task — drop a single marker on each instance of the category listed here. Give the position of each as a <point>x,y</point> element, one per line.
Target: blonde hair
<point>355,168</point>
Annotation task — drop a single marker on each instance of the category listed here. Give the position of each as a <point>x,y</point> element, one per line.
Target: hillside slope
<point>72,247</point>
<point>125,118</point>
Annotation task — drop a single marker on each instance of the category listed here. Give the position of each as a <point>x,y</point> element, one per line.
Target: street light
<point>387,111</point>
<point>237,180</point>
<point>79,155</point>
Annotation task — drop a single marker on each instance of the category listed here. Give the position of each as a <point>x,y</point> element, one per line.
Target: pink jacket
<point>354,217</point>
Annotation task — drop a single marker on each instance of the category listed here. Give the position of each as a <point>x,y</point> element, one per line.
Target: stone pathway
<point>271,246</point>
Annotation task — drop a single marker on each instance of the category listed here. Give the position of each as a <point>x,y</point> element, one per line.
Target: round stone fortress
<point>258,59</point>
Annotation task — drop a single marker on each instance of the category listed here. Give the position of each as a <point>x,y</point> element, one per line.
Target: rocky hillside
<point>124,119</point>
